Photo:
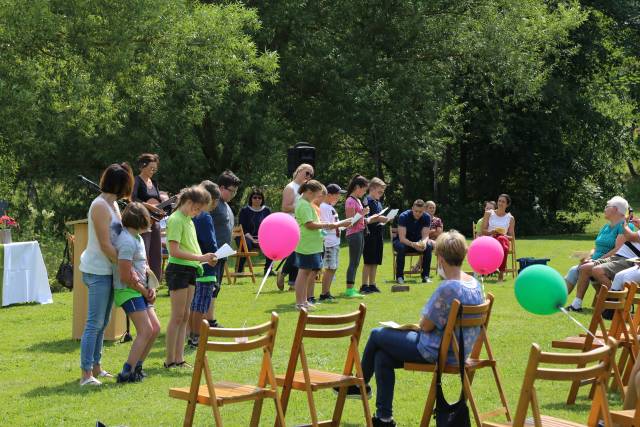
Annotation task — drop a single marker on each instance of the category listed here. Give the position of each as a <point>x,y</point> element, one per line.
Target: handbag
<point>64,276</point>
<point>452,414</point>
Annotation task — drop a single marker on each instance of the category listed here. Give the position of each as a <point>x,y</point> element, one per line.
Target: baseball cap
<point>335,189</point>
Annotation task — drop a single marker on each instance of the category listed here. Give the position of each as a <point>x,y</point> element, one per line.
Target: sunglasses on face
<point>256,197</point>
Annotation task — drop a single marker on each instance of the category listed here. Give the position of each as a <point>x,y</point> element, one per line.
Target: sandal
<point>105,374</point>
<point>183,364</point>
<point>168,365</point>
<point>91,381</point>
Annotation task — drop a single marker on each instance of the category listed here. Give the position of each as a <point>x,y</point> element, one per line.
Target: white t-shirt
<point>496,221</point>
<point>329,214</point>
<point>626,252</point>
<point>295,187</point>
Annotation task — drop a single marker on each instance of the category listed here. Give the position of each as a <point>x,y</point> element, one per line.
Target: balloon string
<point>264,279</point>
<point>562,309</point>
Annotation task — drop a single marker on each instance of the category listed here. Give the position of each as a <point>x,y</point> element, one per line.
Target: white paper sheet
<point>355,218</point>
<point>224,251</point>
<point>392,214</point>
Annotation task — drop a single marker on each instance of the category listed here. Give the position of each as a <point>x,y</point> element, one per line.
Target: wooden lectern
<point>117,325</point>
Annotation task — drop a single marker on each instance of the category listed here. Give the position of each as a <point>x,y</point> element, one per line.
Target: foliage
<point>455,101</point>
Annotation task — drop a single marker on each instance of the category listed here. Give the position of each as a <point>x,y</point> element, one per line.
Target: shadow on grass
<point>63,346</point>
<point>573,237</point>
<point>282,308</point>
<point>70,388</point>
<point>581,407</point>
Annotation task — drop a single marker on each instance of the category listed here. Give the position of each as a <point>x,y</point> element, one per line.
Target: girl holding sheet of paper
<point>374,239</point>
<point>355,235</point>
<point>183,268</point>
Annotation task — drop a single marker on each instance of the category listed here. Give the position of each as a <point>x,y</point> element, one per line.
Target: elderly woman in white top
<point>96,267</point>
<point>500,224</point>
<point>302,174</point>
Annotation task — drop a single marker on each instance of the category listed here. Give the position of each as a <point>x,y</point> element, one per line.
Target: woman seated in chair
<point>250,217</point>
<point>488,206</point>
<point>388,349</point>
<point>500,224</point>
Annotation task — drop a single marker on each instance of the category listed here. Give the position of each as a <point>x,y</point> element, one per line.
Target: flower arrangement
<point>6,222</point>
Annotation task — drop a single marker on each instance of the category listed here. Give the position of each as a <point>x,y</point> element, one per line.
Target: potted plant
<point>6,224</point>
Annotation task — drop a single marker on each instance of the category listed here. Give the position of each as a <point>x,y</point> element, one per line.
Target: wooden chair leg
<point>503,398</point>
<point>280,421</point>
<point>188,416</point>
<point>216,415</point>
<point>337,410</point>
<point>573,392</point>
<point>429,404</point>
<point>365,404</point>
<point>469,395</point>
<point>255,414</point>
<point>312,407</point>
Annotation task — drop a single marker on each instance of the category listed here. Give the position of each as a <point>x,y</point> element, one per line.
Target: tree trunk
<point>445,182</point>
<point>632,170</point>
<point>463,172</point>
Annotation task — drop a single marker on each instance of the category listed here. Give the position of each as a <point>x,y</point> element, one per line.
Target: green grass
<point>39,362</point>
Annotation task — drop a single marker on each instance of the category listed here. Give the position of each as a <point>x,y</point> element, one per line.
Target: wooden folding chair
<point>241,252</point>
<point>627,417</point>
<point>409,255</point>
<point>473,316</point>
<point>512,263</point>
<point>223,393</point>
<point>473,229</point>
<point>311,380</point>
<point>618,301</point>
<point>595,364</point>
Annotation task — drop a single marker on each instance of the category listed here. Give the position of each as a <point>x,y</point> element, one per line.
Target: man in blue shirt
<point>413,236</point>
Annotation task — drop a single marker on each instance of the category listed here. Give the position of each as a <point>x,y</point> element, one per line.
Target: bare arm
<point>433,234</point>
<point>426,325</point>
<point>402,236</point>
<point>313,225</point>
<point>619,242</point>
<point>175,251</point>
<point>512,228</point>
<point>288,200</point>
<point>629,234</point>
<point>127,276</point>
<point>101,218</point>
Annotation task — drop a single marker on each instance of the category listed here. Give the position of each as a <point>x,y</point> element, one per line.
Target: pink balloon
<point>485,255</point>
<point>278,235</point>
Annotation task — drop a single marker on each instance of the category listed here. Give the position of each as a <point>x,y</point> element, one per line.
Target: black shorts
<point>180,276</point>
<point>372,252</point>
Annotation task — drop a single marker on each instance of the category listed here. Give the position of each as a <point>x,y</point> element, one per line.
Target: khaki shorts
<point>613,265</point>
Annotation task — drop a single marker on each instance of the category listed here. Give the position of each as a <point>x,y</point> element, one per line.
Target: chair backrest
<point>213,339</point>
<point>597,365</point>
<point>335,326</point>
<point>473,229</point>
<point>483,338</point>
<point>393,232</point>
<point>238,233</point>
<point>622,326</point>
<point>472,316</point>
<point>616,301</point>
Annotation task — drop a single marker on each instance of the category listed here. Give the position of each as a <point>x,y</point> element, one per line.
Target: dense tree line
<point>451,100</point>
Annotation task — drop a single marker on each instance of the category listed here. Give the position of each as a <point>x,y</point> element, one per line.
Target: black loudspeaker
<point>300,153</point>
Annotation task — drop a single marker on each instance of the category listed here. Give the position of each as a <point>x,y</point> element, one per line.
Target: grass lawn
<point>39,361</point>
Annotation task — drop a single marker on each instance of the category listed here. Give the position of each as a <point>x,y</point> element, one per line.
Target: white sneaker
<point>91,381</point>
<point>400,280</point>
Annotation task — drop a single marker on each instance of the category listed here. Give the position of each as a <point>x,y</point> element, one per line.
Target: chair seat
<point>470,364</point>
<point>573,343</point>
<point>623,417</point>
<point>546,422</point>
<point>245,254</point>
<point>226,392</point>
<point>319,380</point>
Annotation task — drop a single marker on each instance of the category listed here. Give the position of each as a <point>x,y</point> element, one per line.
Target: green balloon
<point>541,290</point>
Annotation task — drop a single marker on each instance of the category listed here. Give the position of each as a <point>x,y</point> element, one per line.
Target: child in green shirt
<point>183,268</point>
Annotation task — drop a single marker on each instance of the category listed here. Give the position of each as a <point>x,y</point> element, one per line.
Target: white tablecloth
<point>24,278</point>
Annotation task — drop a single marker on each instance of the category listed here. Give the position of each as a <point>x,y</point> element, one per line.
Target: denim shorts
<point>180,276</point>
<point>309,262</point>
<point>135,304</point>
<point>202,296</point>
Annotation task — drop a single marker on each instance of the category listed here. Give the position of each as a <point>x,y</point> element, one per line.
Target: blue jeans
<point>387,349</point>
<point>98,313</point>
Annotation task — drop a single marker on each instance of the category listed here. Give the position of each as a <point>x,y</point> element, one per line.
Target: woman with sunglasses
<point>290,196</point>
<point>250,217</point>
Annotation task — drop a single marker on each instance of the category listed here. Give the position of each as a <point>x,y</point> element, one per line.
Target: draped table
<point>23,275</point>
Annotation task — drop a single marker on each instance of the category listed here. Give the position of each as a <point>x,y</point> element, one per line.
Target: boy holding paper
<point>207,286</point>
<point>374,239</point>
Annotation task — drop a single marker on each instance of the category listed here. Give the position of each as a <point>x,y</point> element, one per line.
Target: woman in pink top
<point>355,234</point>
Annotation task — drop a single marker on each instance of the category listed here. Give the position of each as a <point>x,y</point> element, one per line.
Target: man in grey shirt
<point>223,220</point>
